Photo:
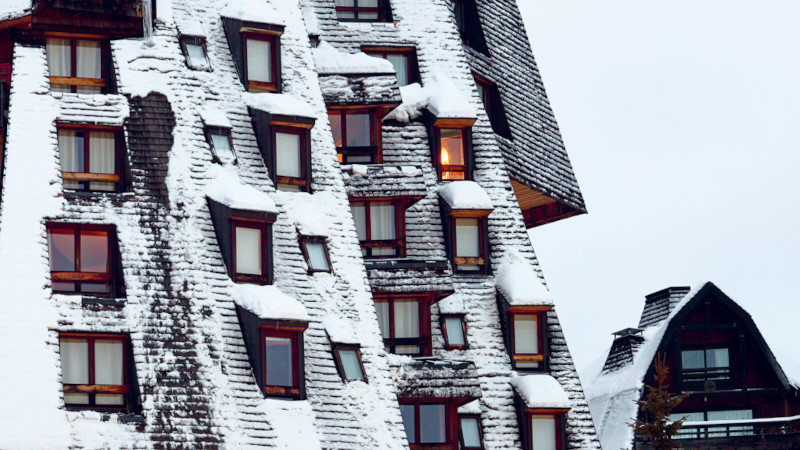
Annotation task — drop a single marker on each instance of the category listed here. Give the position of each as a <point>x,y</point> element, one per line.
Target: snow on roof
<point>252,11</point>
<point>215,117</point>
<point>310,18</point>
<point>540,391</point>
<point>339,331</point>
<point>452,304</point>
<point>440,96</point>
<point>293,424</point>
<point>284,104</point>
<point>12,9</point>
<point>190,27</point>
<point>473,407</point>
<point>519,283</point>
<point>269,302</point>
<point>310,213</point>
<point>229,190</point>
<point>329,60</point>
<point>465,195</point>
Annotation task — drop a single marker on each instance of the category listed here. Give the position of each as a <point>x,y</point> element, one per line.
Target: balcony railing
<point>702,375</point>
<point>784,432</point>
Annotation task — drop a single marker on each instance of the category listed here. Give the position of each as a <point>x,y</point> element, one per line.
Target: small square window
<point>315,251</point>
<point>82,259</point>
<point>363,10</point>
<point>219,139</point>
<point>356,135</point>
<point>194,49</point>
<point>349,363</point>
<point>454,331</point>
<point>470,433</point>
<point>90,158</point>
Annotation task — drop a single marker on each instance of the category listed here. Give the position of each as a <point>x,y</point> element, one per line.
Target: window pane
<point>381,217</point>
<point>735,414</point>
<point>335,118</point>
<point>317,256</point>
<point>526,336</point>
<point>543,429</point>
<point>248,251</point>
<point>108,362</point>
<point>482,93</point>
<point>258,60</point>
<point>103,288</point>
<point>222,147</point>
<point>351,365</point>
<point>407,411</point>
<point>406,318</point>
<point>349,3</point>
<point>76,399</point>
<point>455,332</point>
<point>94,251</point>
<point>61,245</point>
<point>382,309</point>
<point>692,359</point>
<point>89,90</point>
<point>368,3</point>
<point>59,57</point>
<point>279,361</point>
<point>368,15</point>
<point>400,63</point>
<point>109,399</point>
<point>468,243</point>
<point>358,130</point>
<point>431,423</point>
<point>74,361</point>
<point>70,149</point>
<point>359,215</point>
<point>197,55</point>
<point>88,59</point>
<point>470,432</point>
<point>717,357</point>
<point>102,156</point>
<point>287,155</point>
<point>452,147</point>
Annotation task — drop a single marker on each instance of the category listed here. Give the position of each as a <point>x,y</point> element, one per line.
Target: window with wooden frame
<point>282,359</point>
<point>315,251</point>
<point>194,50</point>
<point>405,323</point>
<point>380,226</point>
<point>470,432</point>
<point>262,61</point>
<point>469,26</point>
<point>430,423</point>
<point>292,158</point>
<point>468,241</point>
<point>452,148</point>
<point>97,371</point>
<point>527,333</point>
<point>78,63</point>
<point>700,365</point>
<point>252,254</point>
<point>356,134</point>
<point>363,11</point>
<point>91,157</point>
<point>454,330</point>
<point>544,429</point>
<point>83,259</point>
<point>404,60</point>
<point>221,143</point>
<point>493,105</point>
<point>349,362</point>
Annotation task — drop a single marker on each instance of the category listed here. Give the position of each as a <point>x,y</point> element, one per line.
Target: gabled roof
<point>612,394</point>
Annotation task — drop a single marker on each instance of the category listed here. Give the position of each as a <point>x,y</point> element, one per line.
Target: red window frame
<point>91,388</point>
<point>559,416</point>
<point>274,40</point>
<point>294,391</point>
<point>303,182</point>
<point>541,357</point>
<point>447,344</point>
<point>451,424</point>
<point>356,10</point>
<point>399,242</point>
<point>410,53</point>
<point>424,314</point>
<point>74,81</point>
<point>77,277</point>
<point>462,444</point>
<point>374,150</point>
<point>87,176</point>
<point>266,251</point>
<point>304,241</point>
<point>337,348</point>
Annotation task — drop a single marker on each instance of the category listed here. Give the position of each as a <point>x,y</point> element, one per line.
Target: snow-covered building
<point>739,395</point>
<point>279,223</point>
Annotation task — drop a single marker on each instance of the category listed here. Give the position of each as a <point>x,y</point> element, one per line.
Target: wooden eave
<point>529,309</point>
<point>539,208</point>
<point>447,122</point>
<point>20,22</point>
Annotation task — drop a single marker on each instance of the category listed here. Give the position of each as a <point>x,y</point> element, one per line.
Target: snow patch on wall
<point>465,195</point>
<point>312,214</point>
<point>269,302</point>
<point>519,283</point>
<point>215,117</point>
<point>229,190</point>
<point>329,60</point>
<point>540,391</point>
<point>294,423</point>
<point>440,96</point>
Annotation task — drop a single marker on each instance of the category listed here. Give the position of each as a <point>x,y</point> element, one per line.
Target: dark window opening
<point>261,62</point>
<point>403,59</point>
<point>469,25</point>
<point>315,251</point>
<point>83,259</point>
<point>380,226</point>
<point>493,105</point>
<point>349,363</point>
<point>91,157</point>
<point>194,50</point>
<point>356,135</point>
<point>363,11</point>
<point>454,330</point>
<point>405,324</point>
<point>78,65</point>
<point>219,139</point>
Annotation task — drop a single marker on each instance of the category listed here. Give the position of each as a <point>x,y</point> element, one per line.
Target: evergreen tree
<point>658,405</point>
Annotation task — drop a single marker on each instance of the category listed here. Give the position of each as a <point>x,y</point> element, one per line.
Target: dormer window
<point>527,339</point>
<point>292,158</point>
<point>454,330</point>
<point>469,238</point>
<point>470,434</point>
<point>281,362</point>
<point>452,139</point>
<point>542,419</point>
<point>83,259</point>
<point>356,134</point>
<point>219,138</point>
<point>405,323</point>
<point>493,105</point>
<point>261,55</point>
<point>349,363</point>
<point>251,257</point>
<point>363,11</point>
<point>194,49</point>
<point>465,209</point>
<point>90,157</point>
<point>469,26</point>
<point>700,365</point>
<point>546,431</point>
<point>315,251</point>
<point>404,60</point>
<point>77,65</point>
<point>380,225</point>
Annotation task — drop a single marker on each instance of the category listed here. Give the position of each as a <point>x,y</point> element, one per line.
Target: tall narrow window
<point>380,227</point>
<point>544,432</point>
<point>405,324</point>
<point>493,105</point>
<point>315,251</point>
<point>470,433</point>
<point>454,331</point>
<point>250,256</point>
<point>452,148</point>
<point>356,135</point>
<point>89,158</point>
<point>348,361</point>
<point>262,62</point>
<point>468,244</point>
<point>469,26</point>
<point>219,138</point>
<point>281,362</point>
<point>94,370</point>
<point>526,342</point>
<point>363,10</point>
<point>81,258</point>
<point>194,49</point>
<point>76,65</point>
<point>291,158</point>
<point>402,58</point>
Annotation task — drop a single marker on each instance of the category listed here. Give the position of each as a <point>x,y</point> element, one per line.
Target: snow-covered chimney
<point>658,305</point>
<point>626,343</point>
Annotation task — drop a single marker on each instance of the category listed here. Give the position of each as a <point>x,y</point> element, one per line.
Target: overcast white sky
<point>681,119</point>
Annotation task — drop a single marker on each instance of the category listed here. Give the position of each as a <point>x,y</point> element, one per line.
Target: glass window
<point>279,361</point>
<point>91,371</point>
<point>408,412</point>
<point>384,318</point>
<point>470,432</point>
<point>406,324</point>
<point>399,320</point>
<point>526,334</point>
<point>88,59</point>
<point>432,423</point>
<point>259,57</point>
<point>288,153</point>
<point>693,359</point>
<point>376,221</point>
<point>59,57</point>
<point>455,331</point>
<point>452,154</point>
<point>468,242</point>
<point>79,260</point>
<point>717,358</point>
<point>360,218</point>
<point>195,51</point>
<point>97,156</point>
<point>360,10</point>
<point>82,74</point>
<point>354,135</point>
<point>382,221</point>
<point>248,251</point>
<point>543,432</point>
<point>221,145</point>
<point>351,364</point>
<point>317,256</point>
<point>400,63</point>
<point>358,129</point>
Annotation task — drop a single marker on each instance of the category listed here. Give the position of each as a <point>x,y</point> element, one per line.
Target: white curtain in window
<point>287,155</point>
<point>74,361</point>
<point>108,362</point>
<point>102,157</point>
<point>381,216</point>
<point>543,430</point>
<point>409,421</point>
<point>360,217</point>
<point>70,149</point>
<point>59,57</point>
<point>526,336</point>
<point>717,357</point>
<point>94,252</point>
<point>358,130</point>
<point>317,256</point>
<point>248,251</point>
<point>279,361</point>
<point>351,365</point>
<point>88,59</point>
<point>259,54</point>
<point>382,309</point>
<point>452,148</point>
<point>734,414</point>
<point>455,332</point>
<point>467,238</point>
<point>406,318</point>
<point>400,63</point>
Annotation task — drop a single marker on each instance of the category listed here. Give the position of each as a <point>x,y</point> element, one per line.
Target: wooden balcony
<point>769,433</point>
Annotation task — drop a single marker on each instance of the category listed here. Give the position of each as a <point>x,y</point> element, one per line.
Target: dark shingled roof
<point>437,378</point>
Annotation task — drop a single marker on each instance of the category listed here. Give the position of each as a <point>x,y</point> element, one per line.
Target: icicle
<point>147,19</point>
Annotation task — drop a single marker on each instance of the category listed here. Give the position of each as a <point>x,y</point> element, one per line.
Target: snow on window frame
<point>337,349</point>
<point>212,130</point>
<point>191,63</point>
<point>320,240</point>
<point>462,328</point>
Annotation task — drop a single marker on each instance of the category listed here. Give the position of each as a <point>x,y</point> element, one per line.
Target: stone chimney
<point>626,343</point>
<point>658,305</point>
